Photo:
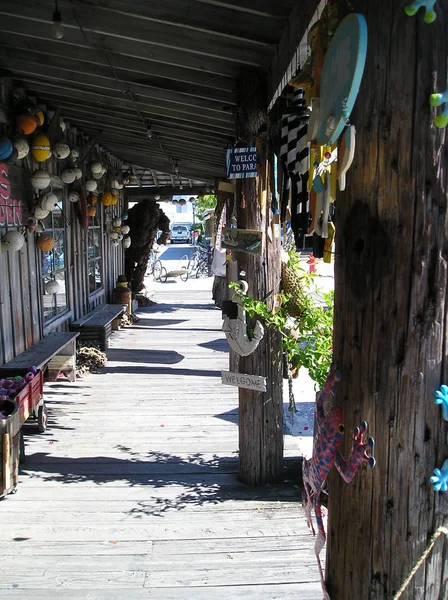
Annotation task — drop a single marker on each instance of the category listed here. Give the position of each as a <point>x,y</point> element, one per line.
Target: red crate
<point>32,393</point>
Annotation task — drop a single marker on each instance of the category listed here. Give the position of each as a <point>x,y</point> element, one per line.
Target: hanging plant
<point>307,335</point>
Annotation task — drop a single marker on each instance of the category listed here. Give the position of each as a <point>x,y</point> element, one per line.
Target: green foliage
<point>204,203</point>
<point>308,339</point>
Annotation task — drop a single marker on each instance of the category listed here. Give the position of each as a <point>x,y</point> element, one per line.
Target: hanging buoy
<point>52,287</point>
<point>48,201</point>
<point>13,240</point>
<point>68,176</point>
<point>40,179</point>
<point>40,148</point>
<point>22,147</point>
<point>61,150</point>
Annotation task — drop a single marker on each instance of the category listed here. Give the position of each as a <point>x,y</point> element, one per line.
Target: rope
<point>421,560</point>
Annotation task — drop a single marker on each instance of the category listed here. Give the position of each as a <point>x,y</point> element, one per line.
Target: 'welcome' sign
<point>242,163</point>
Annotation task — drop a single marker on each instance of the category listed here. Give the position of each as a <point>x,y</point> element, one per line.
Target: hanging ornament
<point>97,176</point>
<point>126,242</point>
<point>74,155</point>
<point>22,147</point>
<point>113,235</point>
<point>32,224</point>
<point>40,213</point>
<point>40,179</point>
<point>27,124</point>
<point>61,150</point>
<point>45,242</point>
<point>78,173</point>
<point>91,211</point>
<point>68,176</point>
<point>96,167</point>
<point>116,222</point>
<point>48,201</point>
<point>125,229</point>
<point>40,148</point>
<point>114,200</point>
<point>91,185</point>
<point>107,199</point>
<point>41,117</point>
<point>52,287</point>
<point>73,196</point>
<point>12,157</point>
<point>62,125</point>
<point>6,147</point>
<point>13,240</point>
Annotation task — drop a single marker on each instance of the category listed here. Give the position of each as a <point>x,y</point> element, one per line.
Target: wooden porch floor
<point>132,492</point>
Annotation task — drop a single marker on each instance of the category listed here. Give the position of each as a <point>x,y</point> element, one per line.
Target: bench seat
<point>57,351</point>
<point>97,326</point>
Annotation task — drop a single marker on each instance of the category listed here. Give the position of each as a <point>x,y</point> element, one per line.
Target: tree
<point>391,329</point>
<point>203,203</point>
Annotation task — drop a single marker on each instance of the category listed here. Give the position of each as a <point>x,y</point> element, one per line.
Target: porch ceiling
<point>173,63</point>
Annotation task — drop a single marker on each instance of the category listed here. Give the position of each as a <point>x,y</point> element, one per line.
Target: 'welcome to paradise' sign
<point>242,163</point>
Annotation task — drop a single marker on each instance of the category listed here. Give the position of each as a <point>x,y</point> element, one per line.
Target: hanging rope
<point>440,531</point>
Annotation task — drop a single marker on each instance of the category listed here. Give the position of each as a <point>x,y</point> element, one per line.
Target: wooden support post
<point>391,324</point>
<point>260,414</point>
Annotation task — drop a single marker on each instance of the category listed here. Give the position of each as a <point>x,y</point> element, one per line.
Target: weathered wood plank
<point>284,591</point>
<point>162,512</point>
<point>41,352</point>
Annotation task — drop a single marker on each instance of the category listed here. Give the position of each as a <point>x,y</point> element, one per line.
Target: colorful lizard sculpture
<point>327,439</point>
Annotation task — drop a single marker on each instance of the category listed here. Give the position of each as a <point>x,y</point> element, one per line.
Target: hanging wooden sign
<point>249,382</point>
<point>244,240</point>
<point>242,163</point>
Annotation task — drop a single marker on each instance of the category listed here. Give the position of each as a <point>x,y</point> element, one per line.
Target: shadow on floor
<point>129,355</point>
<point>201,480</point>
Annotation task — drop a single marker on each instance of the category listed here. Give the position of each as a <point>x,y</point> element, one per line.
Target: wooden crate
<point>32,393</point>
<point>9,449</point>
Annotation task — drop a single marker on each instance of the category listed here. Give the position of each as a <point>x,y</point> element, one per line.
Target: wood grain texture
<point>133,492</point>
<point>391,315</point>
<point>260,414</point>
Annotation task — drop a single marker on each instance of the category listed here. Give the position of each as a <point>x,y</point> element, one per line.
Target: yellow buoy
<point>41,148</point>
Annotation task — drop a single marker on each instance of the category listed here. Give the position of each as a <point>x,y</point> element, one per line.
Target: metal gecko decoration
<point>439,478</point>
<point>236,329</point>
<point>327,439</point>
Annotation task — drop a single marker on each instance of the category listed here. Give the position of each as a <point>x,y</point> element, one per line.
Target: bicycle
<point>154,266</point>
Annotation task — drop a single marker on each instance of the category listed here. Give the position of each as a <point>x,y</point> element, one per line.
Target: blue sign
<point>242,163</point>
<point>341,77</point>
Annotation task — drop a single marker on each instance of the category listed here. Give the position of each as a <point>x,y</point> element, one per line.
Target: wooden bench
<point>97,326</point>
<point>57,351</point>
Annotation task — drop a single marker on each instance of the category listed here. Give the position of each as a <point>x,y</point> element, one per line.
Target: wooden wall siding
<point>21,311</point>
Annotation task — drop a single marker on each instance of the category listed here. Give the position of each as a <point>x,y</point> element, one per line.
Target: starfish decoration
<point>430,15</point>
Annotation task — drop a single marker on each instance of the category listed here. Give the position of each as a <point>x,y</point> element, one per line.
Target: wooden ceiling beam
<point>156,36</point>
<point>220,21</point>
<point>128,69</point>
<point>151,112</point>
<point>80,106</point>
<point>134,127</point>
<point>103,81</point>
<point>136,194</point>
<point>171,62</point>
<point>265,8</point>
